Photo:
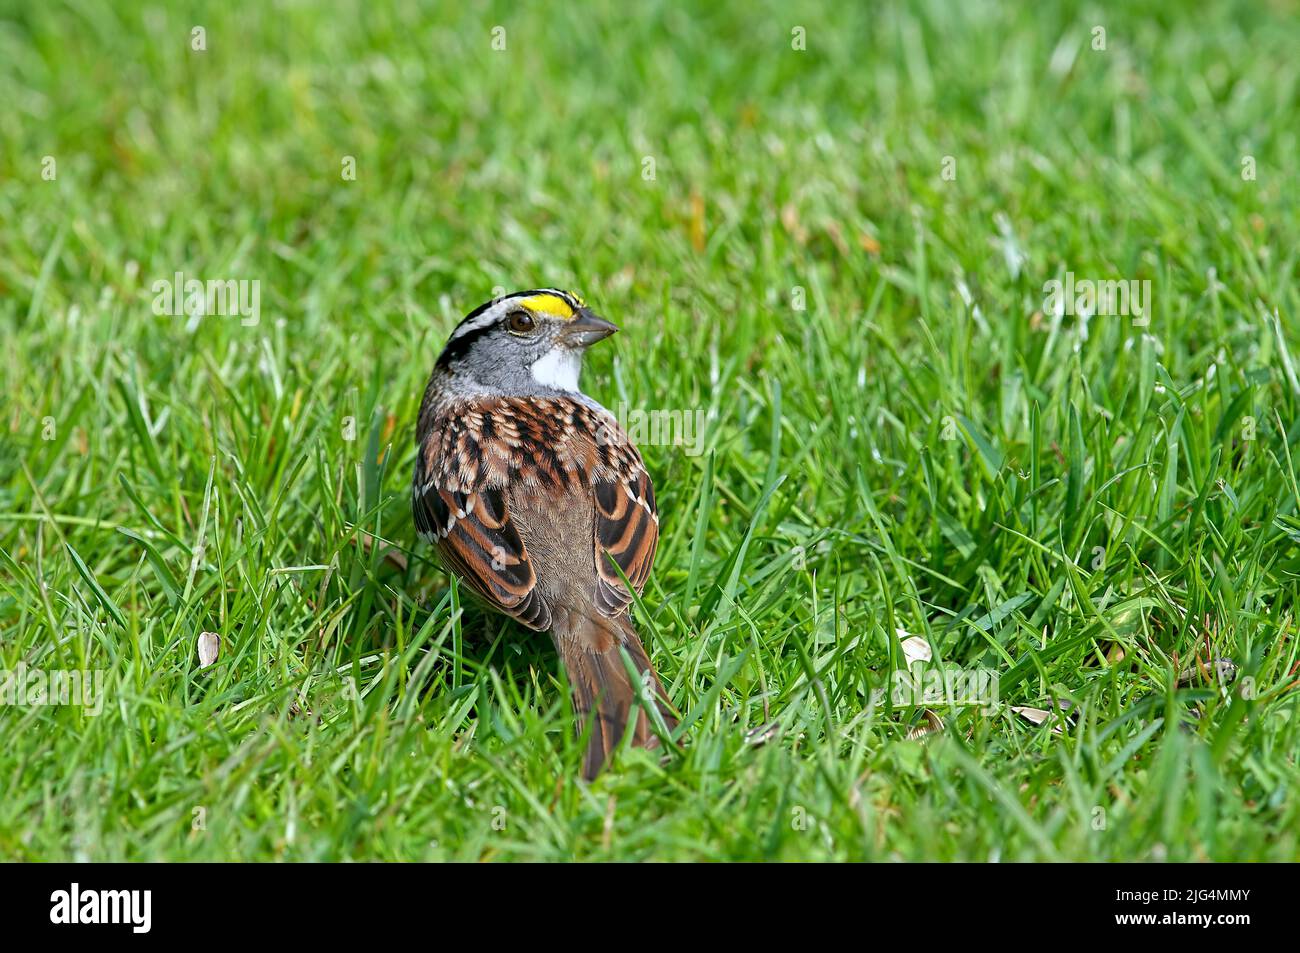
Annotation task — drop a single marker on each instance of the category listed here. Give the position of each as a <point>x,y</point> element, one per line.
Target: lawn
<point>828,234</point>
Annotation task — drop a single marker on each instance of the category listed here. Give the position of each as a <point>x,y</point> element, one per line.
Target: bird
<point>532,494</point>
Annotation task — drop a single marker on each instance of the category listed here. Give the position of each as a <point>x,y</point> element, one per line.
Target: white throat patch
<point>558,369</point>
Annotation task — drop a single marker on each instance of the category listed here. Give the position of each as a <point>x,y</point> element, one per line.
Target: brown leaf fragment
<point>932,724</point>
<point>1039,716</point>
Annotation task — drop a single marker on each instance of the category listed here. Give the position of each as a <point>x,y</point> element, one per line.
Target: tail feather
<point>602,692</point>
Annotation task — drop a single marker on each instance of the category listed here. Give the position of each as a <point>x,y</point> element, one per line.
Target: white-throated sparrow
<point>529,488</point>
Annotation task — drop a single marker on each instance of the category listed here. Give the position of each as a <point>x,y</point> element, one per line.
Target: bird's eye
<point>521,322</point>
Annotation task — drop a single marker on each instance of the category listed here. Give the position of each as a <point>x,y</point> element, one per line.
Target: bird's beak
<point>586,329</point>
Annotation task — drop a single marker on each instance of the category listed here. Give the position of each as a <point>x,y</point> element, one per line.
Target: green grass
<point>1083,507</point>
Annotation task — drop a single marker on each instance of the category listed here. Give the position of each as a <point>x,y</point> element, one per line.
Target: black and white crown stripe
<point>488,314</point>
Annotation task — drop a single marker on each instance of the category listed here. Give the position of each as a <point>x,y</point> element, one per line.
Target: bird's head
<point>529,342</point>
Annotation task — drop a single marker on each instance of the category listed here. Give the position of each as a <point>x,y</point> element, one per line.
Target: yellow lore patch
<point>549,304</point>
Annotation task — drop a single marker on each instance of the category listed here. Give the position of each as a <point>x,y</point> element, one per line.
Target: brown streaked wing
<point>627,532</point>
<point>478,541</point>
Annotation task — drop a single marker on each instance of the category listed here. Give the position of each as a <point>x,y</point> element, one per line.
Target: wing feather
<point>627,533</point>
<point>477,539</point>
